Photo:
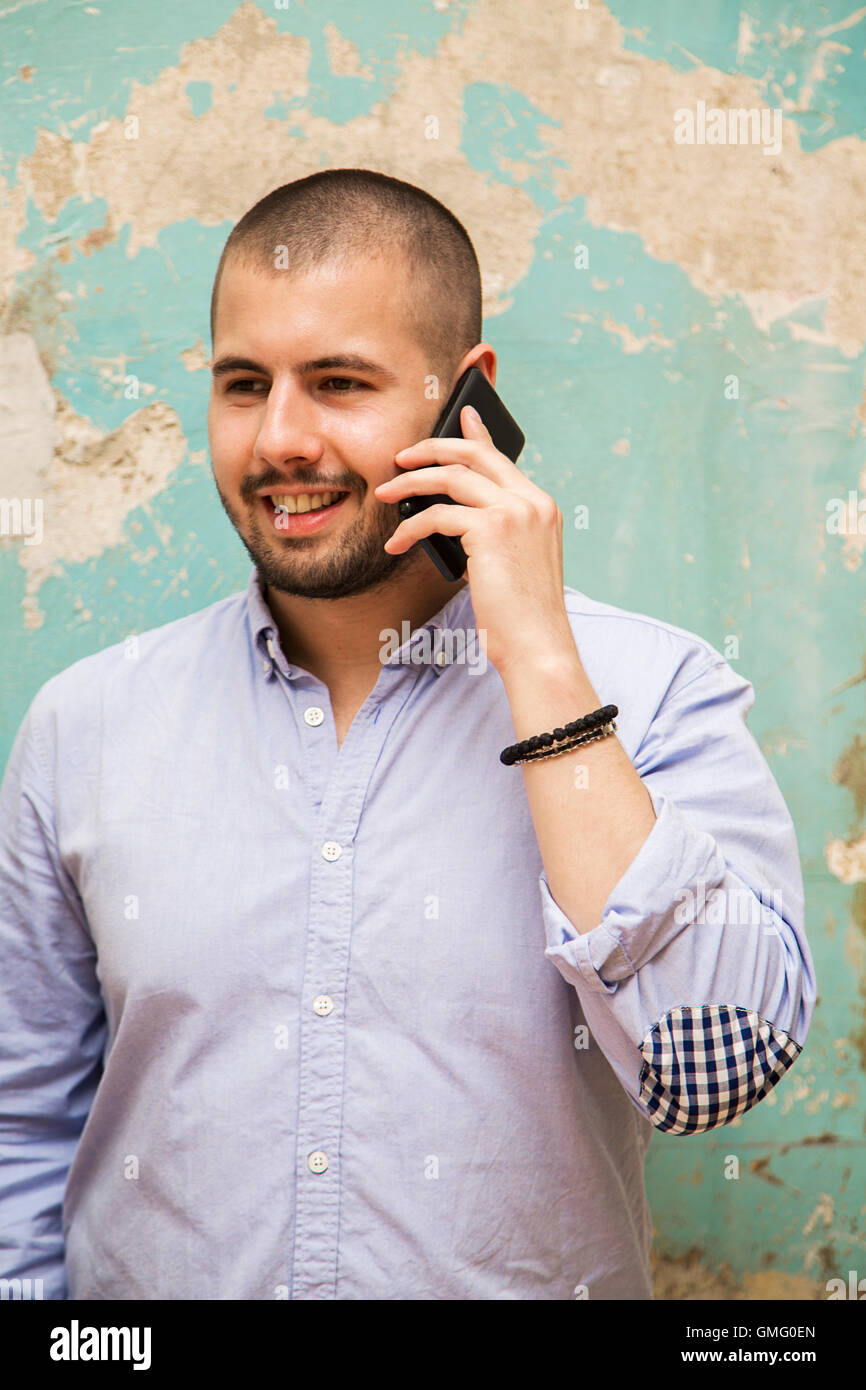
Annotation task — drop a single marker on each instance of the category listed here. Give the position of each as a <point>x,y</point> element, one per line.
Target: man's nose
<point>289,427</point>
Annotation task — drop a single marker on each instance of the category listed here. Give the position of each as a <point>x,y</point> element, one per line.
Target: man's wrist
<point>547,690</point>
<point>547,663</point>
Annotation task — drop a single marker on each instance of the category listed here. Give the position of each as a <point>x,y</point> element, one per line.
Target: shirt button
<point>331,850</point>
<point>314,715</point>
<point>323,1004</point>
<point>317,1161</point>
<point>441,659</point>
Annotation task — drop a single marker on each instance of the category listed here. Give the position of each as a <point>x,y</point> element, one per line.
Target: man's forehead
<point>344,273</point>
<point>331,312</point>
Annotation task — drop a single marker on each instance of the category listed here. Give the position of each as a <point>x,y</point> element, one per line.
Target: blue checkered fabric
<point>704,1065</point>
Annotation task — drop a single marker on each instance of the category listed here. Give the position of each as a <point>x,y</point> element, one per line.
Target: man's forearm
<point>590,809</point>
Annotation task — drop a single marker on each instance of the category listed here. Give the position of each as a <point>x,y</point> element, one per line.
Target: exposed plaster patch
<point>789,35</point>
<point>849,771</point>
<point>823,1211</point>
<point>96,238</point>
<point>196,358</point>
<point>343,57</point>
<point>13,219</point>
<point>766,306</point>
<point>854,947</point>
<point>854,541</point>
<point>858,1036</point>
<point>746,37</point>
<point>779,742</point>
<point>802,333</point>
<point>206,173</point>
<point>777,1284</point>
<point>692,1276</point>
<point>93,482</point>
<point>847,23</point>
<point>847,860</point>
<point>27,428</point>
<point>55,172</point>
<point>36,308</point>
<point>817,1101</point>
<point>612,116</point>
<point>818,72</point>
<point>760,1168</point>
<point>630,342</point>
<point>113,370</point>
<point>843,1100</point>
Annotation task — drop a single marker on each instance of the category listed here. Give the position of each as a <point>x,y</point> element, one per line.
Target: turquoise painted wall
<point>695,377</point>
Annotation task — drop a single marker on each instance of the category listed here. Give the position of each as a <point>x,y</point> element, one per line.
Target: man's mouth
<point>301,512</point>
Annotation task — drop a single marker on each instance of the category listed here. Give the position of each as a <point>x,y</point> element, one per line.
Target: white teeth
<point>303,502</point>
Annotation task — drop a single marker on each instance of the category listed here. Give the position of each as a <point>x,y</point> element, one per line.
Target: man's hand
<point>511,532</point>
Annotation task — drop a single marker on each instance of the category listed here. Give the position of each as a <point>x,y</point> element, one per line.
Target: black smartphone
<point>474,389</point>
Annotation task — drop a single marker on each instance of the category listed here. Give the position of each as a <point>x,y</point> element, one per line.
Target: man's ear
<point>482,356</point>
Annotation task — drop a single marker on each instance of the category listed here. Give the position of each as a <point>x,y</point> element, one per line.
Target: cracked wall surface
<point>695,378</point>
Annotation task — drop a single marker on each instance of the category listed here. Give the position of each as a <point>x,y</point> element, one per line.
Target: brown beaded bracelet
<point>516,752</point>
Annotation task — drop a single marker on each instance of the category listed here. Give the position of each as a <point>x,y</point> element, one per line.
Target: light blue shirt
<point>280,1019</point>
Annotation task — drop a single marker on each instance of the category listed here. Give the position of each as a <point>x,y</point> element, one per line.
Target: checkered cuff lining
<point>704,1065</point>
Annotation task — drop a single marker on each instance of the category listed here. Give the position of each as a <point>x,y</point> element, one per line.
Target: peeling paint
<point>601,157</point>
<point>665,196</point>
<point>27,428</point>
<point>343,58</point>
<point>691,1275</point>
<point>760,1168</point>
<point>90,481</point>
<point>850,772</point>
<point>847,859</point>
<point>823,1211</point>
<point>196,358</point>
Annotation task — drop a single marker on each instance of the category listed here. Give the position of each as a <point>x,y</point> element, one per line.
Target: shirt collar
<point>455,615</point>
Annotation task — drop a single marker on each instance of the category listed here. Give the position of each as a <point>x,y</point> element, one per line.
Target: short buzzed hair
<point>340,213</point>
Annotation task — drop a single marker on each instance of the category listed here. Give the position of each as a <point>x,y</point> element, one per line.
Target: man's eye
<point>347,381</point>
<point>243,381</point>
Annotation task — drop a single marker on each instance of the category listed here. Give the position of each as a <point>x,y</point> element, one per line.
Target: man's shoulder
<point>617,644</point>
<point>632,626</point>
<point>181,644</point>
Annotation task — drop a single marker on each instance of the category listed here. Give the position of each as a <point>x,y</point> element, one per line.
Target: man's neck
<point>338,640</point>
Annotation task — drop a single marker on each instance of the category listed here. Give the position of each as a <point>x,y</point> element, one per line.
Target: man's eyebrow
<point>348,361</point>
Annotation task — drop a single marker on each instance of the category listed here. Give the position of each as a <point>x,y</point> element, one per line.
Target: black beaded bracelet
<point>577,741</point>
<point>585,724</point>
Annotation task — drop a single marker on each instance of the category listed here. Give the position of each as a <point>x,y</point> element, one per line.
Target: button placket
<point>321,1070</point>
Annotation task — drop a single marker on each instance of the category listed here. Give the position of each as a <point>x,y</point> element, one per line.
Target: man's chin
<point>336,567</point>
<point>332,577</point>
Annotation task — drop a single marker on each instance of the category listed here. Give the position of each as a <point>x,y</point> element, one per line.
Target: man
<point>306,993</point>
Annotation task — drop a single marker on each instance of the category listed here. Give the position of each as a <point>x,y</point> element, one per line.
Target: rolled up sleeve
<point>698,981</point>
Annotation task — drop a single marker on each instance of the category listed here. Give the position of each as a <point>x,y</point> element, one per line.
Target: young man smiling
<point>342,1006</point>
